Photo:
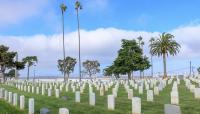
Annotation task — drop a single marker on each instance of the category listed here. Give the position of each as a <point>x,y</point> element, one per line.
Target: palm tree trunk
<point>79,54</point>
<point>151,65</point>
<point>28,73</point>
<point>164,65</point>
<point>64,64</point>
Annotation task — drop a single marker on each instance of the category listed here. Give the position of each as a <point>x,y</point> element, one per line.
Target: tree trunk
<point>151,66</point>
<point>129,75</point>
<point>67,77</point>
<point>140,74</point>
<point>164,66</point>
<point>79,46</point>
<point>28,73</point>
<point>64,62</point>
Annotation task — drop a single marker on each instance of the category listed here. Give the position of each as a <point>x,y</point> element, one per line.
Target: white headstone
<point>77,97</point>
<point>174,97</point>
<point>136,105</point>
<point>150,95</point>
<point>111,102</point>
<point>10,97</point>
<point>156,90</point>
<point>92,99</point>
<point>49,92</point>
<point>22,102</point>
<point>57,93</point>
<point>15,99</point>
<point>130,94</point>
<point>31,106</point>
<point>197,93</point>
<point>63,111</point>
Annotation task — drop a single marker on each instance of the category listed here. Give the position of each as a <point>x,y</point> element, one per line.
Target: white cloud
<point>101,44</point>
<point>15,11</point>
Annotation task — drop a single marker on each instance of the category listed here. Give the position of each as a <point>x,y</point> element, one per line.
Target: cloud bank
<point>101,44</point>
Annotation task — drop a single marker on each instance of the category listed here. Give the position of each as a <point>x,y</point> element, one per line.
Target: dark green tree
<point>69,66</point>
<point>91,67</point>
<point>29,61</point>
<point>10,73</point>
<point>130,59</point>
<point>6,60</point>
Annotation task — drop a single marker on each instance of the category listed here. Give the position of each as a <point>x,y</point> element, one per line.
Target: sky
<point>33,27</point>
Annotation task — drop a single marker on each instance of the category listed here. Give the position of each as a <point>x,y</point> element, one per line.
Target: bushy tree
<point>30,61</point>
<point>67,67</point>
<point>91,67</point>
<point>129,59</point>
<point>7,61</point>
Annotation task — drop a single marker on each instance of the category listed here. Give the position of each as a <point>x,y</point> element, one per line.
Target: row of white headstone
<point>12,98</point>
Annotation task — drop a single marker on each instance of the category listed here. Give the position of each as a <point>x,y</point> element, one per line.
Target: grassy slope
<point>123,105</point>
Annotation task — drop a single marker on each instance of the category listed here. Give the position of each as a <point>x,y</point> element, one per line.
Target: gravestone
<point>10,97</point>
<point>174,97</point>
<point>150,95</point>
<point>45,111</point>
<point>172,109</point>
<point>31,106</point>
<point>136,105</point>
<point>63,111</point>
<point>15,99</point>
<point>77,97</point>
<point>111,102</point>
<point>197,93</point>
<point>92,99</point>
<point>22,102</point>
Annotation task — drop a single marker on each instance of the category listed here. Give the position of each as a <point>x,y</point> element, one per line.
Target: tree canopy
<point>69,66</point>
<point>91,67</point>
<point>130,58</point>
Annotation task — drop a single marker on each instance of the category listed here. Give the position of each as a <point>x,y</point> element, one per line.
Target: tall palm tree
<point>78,7</point>
<point>63,8</point>
<point>151,41</point>
<point>30,60</point>
<point>163,46</point>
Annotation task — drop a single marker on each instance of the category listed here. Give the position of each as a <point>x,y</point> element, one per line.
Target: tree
<point>198,70</point>
<point>163,46</point>
<point>6,60</point>
<point>129,59</point>
<point>29,61</point>
<point>91,67</point>
<point>68,67</point>
<point>10,73</point>
<point>151,41</point>
<point>63,8</point>
<point>78,7</point>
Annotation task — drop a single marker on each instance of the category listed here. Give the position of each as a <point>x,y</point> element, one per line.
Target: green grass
<point>188,104</point>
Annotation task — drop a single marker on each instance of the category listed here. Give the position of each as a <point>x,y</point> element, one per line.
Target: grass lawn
<point>188,104</point>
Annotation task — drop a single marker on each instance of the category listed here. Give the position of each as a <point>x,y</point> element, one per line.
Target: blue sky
<point>147,15</point>
<point>33,27</point>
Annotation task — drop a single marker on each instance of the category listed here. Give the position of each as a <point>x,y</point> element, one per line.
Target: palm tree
<point>163,46</point>
<point>151,41</point>
<point>63,8</point>
<point>78,7</point>
<point>29,60</point>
